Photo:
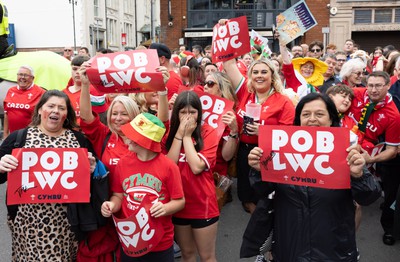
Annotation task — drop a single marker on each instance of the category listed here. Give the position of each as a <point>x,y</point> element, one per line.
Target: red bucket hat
<point>145,130</point>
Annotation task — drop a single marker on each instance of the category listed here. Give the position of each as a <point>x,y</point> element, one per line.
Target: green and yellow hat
<point>145,130</point>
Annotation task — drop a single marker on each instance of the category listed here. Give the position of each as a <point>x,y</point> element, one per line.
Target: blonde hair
<point>225,86</point>
<point>276,82</point>
<point>140,100</point>
<point>130,106</point>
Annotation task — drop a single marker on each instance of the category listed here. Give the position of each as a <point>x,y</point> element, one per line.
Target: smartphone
<point>247,120</point>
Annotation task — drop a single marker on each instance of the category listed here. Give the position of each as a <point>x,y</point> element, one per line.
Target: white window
<point>128,29</point>
<point>128,6</point>
<point>96,7</point>
<point>112,31</point>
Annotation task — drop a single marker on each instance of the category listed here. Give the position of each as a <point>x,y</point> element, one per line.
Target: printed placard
<point>213,109</point>
<point>294,22</point>
<point>230,40</point>
<point>49,175</point>
<point>140,232</point>
<point>305,156</point>
<point>126,72</point>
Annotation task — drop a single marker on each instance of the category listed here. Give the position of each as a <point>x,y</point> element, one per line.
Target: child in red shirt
<point>146,173</point>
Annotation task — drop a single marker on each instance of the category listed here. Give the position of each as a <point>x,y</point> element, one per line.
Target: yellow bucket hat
<point>320,67</point>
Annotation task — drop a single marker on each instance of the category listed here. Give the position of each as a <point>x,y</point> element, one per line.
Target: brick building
<point>368,22</point>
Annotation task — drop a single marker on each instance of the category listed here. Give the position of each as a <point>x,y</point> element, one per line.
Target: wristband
<point>163,93</point>
<point>235,136</point>
<point>180,139</point>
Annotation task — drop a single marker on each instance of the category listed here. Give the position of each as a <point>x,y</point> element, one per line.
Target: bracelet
<point>163,93</point>
<point>180,139</point>
<point>235,136</point>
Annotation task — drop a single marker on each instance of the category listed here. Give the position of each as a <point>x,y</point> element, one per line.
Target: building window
<point>96,7</point>
<point>362,16</point>
<point>112,4</point>
<point>259,13</point>
<point>397,15</point>
<point>377,16</point>
<point>128,29</point>
<point>128,6</point>
<point>112,31</point>
<point>383,15</point>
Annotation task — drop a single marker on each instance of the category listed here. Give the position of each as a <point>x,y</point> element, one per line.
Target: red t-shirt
<point>383,121</point>
<point>276,110</point>
<point>173,83</point>
<point>20,104</point>
<point>161,176</point>
<point>221,166</point>
<point>115,149</point>
<point>200,196</point>
<point>75,99</point>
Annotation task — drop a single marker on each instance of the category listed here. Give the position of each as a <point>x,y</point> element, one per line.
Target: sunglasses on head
<point>210,83</point>
<point>315,50</point>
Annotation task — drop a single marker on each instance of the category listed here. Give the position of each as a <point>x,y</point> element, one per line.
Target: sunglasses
<point>315,50</point>
<point>210,83</point>
<point>341,60</point>
<point>67,50</point>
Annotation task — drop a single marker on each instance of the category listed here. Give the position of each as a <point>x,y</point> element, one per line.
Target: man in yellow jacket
<point>5,49</point>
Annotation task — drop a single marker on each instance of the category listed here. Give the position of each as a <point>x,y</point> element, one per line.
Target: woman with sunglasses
<point>220,85</point>
<point>263,86</point>
<point>352,73</point>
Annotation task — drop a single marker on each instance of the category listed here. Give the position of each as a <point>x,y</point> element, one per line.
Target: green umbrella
<point>52,71</point>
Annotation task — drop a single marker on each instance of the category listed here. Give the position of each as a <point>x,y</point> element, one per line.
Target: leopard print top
<point>41,232</point>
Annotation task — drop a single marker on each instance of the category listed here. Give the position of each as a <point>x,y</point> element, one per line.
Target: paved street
<point>233,222</point>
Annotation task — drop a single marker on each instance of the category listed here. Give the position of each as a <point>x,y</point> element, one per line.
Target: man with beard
<point>297,51</point>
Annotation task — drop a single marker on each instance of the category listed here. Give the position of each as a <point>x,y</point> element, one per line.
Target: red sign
<point>213,109</point>
<point>305,156</point>
<point>123,38</point>
<point>230,40</point>
<point>140,232</point>
<point>126,72</point>
<point>49,175</point>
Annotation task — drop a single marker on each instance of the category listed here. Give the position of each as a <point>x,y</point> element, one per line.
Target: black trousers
<point>390,173</point>
<point>3,44</point>
<point>245,192</point>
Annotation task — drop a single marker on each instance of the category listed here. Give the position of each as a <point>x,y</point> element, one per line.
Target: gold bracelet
<point>180,139</point>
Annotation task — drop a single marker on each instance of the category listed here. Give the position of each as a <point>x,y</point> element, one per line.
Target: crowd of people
<point>157,140</point>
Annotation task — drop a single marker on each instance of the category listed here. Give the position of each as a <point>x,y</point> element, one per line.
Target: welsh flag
<point>256,39</point>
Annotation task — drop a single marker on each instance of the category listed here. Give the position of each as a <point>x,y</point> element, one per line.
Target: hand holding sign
<point>307,156</point>
<point>8,163</point>
<point>230,39</point>
<point>126,72</point>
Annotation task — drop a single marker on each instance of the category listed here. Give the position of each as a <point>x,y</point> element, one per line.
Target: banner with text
<point>305,156</point>
<point>294,22</point>
<point>140,232</point>
<point>213,109</point>
<point>49,175</point>
<point>230,40</point>
<point>126,72</point>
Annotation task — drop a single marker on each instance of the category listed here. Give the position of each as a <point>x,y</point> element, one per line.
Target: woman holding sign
<point>193,146</point>
<point>317,224</point>
<point>263,87</point>
<point>42,232</point>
